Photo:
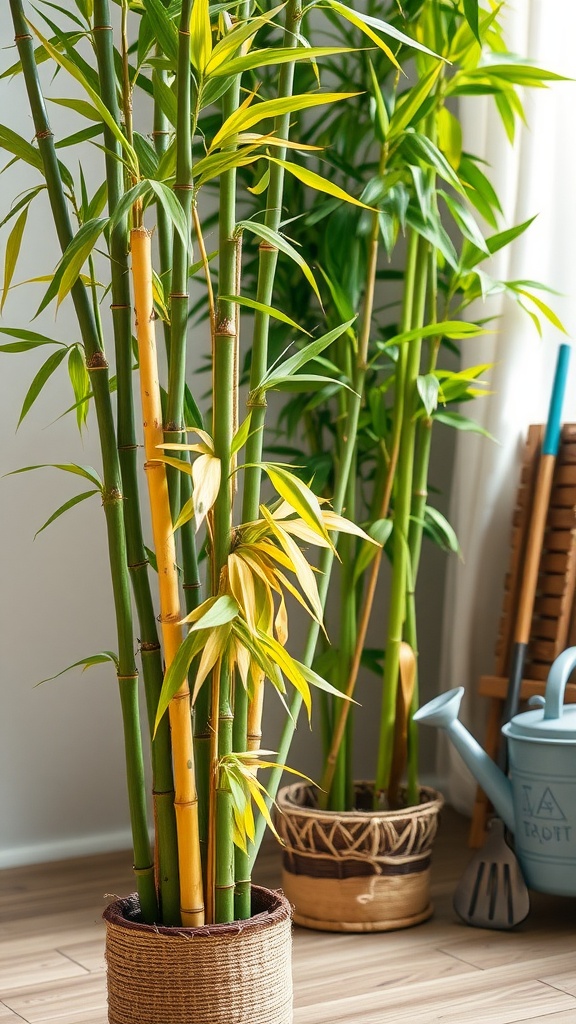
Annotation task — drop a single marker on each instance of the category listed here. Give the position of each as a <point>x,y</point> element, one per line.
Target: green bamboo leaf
<point>465,221</point>
<point>433,230</point>
<point>305,355</point>
<point>241,435</point>
<point>278,241</point>
<point>64,508</point>
<point>260,307</point>
<point>77,138</point>
<point>43,375</point>
<point>80,381</point>
<point>420,148</point>
<point>221,610</point>
<point>411,101</point>
<point>11,253</point>
<point>441,530</point>
<point>19,147</point>
<point>24,201</point>
<point>459,422</point>
<point>28,340</point>
<point>172,208</point>
<point>276,55</point>
<point>94,659</point>
<point>380,26</point>
<point>316,181</point>
<point>73,259</point>
<point>166,101</point>
<point>380,530</point>
<point>303,382</point>
<point>471,14</point>
<point>216,164</point>
<point>382,121</point>
<point>105,115</point>
<point>456,329</point>
<point>81,107</point>
<point>67,467</point>
<point>247,117</point>
<point>200,35</point>
<point>428,387</point>
<point>544,308</point>
<point>163,29</point>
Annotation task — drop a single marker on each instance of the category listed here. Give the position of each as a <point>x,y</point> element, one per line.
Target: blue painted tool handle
<point>552,436</point>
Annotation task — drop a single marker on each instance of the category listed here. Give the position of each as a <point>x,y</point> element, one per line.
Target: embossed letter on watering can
<point>538,801</point>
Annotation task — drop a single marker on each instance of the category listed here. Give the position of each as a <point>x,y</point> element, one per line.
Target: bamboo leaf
<point>75,255</point>
<point>459,422</point>
<point>278,241</point>
<point>310,351</point>
<point>276,55</point>
<point>163,28</point>
<point>241,435</point>
<point>213,652</point>
<point>82,107</point>
<point>316,181</point>
<point>28,340</point>
<point>105,115</point>
<point>441,530</point>
<point>465,221</point>
<point>428,387</point>
<point>206,474</point>
<point>11,253</point>
<point>215,611</point>
<point>94,659</point>
<point>200,35</point>
<point>43,375</point>
<point>67,467</point>
<point>380,26</point>
<point>471,15</point>
<point>410,103</point>
<point>24,201</point>
<point>241,33</point>
<point>260,307</point>
<point>80,381</point>
<point>172,208</point>
<point>19,147</point>
<point>456,329</point>
<point>247,116</point>
<point>298,496</point>
<point>64,508</point>
<point>177,672</point>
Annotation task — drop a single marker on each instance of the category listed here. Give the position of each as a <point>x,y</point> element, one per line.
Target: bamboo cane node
<point>268,247</point>
<point>128,679</point>
<point>173,428</point>
<point>46,134</point>
<point>192,586</point>
<point>183,187</point>
<point>226,328</point>
<point>97,361</point>
<point>170,618</point>
<point>119,305</point>
<point>23,35</point>
<point>112,496</point>
<point>179,295</point>
<point>102,28</point>
<point>148,646</point>
<point>158,133</point>
<point>257,399</point>
<point>143,871</point>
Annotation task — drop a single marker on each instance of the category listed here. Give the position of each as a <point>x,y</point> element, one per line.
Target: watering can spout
<point>442,712</point>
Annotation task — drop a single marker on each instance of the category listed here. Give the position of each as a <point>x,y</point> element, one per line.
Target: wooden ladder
<point>554,618</point>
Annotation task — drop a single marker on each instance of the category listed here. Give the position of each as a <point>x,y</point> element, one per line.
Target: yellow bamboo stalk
<point>186,799</point>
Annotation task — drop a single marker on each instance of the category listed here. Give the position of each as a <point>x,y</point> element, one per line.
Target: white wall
<point>62,785</point>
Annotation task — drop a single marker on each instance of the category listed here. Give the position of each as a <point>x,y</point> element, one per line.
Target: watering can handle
<point>559,675</point>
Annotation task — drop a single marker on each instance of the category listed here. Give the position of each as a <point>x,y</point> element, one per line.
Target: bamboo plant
<point>410,270</point>
<point>165,97</point>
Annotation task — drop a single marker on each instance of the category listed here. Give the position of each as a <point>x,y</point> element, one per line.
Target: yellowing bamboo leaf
<point>11,253</point>
<point>242,586</point>
<point>250,138</point>
<point>281,623</point>
<point>180,464</point>
<point>316,181</point>
<point>342,525</point>
<point>242,119</point>
<point>289,667</point>
<point>298,528</point>
<point>299,497</point>
<point>206,474</point>
<point>176,446</point>
<point>200,35</point>
<point>214,651</point>
<point>185,515</point>
<point>231,42</point>
<point>214,611</point>
<point>301,568</point>
<point>353,18</point>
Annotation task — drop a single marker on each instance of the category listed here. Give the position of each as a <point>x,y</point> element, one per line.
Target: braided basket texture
<point>359,870</point>
<point>237,973</point>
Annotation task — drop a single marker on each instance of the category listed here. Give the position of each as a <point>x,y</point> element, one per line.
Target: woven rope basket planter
<point>236,973</point>
<point>357,871</point>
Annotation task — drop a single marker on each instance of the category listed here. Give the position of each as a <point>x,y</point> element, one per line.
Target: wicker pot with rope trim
<point>357,871</point>
<point>238,973</point>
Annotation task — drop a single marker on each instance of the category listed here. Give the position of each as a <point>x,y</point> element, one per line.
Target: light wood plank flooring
<point>52,965</point>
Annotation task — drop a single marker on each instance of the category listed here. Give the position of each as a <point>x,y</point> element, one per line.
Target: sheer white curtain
<point>538,176</point>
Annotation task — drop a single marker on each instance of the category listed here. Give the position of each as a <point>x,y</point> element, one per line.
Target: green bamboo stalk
<point>112,493</point>
<point>161,754</point>
<point>160,136</point>
<point>267,261</point>
<point>400,567</point>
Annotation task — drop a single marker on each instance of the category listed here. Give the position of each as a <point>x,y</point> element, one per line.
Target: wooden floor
<point>52,967</point>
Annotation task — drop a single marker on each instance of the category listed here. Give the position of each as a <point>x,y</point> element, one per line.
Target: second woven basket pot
<point>237,973</point>
<point>357,871</point>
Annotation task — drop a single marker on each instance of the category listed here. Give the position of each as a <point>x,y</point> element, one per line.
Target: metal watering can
<point>538,802</point>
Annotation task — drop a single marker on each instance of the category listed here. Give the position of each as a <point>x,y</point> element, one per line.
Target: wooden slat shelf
<point>554,618</point>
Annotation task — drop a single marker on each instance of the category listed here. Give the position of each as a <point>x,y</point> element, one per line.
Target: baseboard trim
<point>62,849</point>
